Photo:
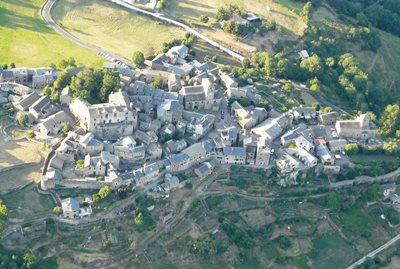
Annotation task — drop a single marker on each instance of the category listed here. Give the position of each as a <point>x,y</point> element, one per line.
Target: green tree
<point>334,200</point>
<point>204,18</point>
<point>62,81</point>
<point>23,119</point>
<point>138,58</point>
<point>139,218</point>
<point>80,164</point>
<point>158,81</point>
<point>351,149</point>
<point>104,192</point>
<point>111,83</point>
<point>66,128</point>
<point>55,96</point>
<point>390,121</point>
<point>3,209</point>
<point>30,261</point>
<point>312,64</point>
<point>288,86</point>
<point>57,210</point>
<point>46,91</point>
<point>87,84</point>
<point>373,193</point>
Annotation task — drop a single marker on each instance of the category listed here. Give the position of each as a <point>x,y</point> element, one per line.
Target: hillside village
<point>145,135</point>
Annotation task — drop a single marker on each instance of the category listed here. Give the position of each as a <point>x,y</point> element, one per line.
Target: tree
<point>100,178</point>
<point>390,120</point>
<point>139,218</point>
<point>57,210</point>
<point>312,64</point>
<point>31,134</point>
<point>334,200</point>
<point>46,91</point>
<point>62,81</point>
<point>305,13</point>
<point>23,119</point>
<point>12,65</point>
<point>87,84</point>
<point>30,261</point>
<point>373,193</point>
<point>288,86</point>
<point>111,83</point>
<point>3,209</point>
<point>285,242</point>
<point>104,192</point>
<point>158,81</point>
<point>138,58</point>
<point>204,18</point>
<point>80,164</point>
<point>230,27</point>
<point>351,149</point>
<point>66,128</point>
<point>67,63</point>
<point>55,96</point>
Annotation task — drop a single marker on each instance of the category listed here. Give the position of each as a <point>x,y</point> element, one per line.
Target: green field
<point>28,203</point>
<point>27,40</point>
<point>113,28</point>
<point>332,252</point>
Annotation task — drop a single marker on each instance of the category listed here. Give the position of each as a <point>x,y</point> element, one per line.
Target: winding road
<point>161,17</point>
<point>46,14</point>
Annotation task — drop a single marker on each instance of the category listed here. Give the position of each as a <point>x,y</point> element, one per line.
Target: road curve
<point>374,252</point>
<point>160,16</point>
<point>45,12</point>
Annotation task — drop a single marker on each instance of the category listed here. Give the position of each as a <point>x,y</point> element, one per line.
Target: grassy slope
<point>111,27</point>
<point>27,40</point>
<point>285,12</point>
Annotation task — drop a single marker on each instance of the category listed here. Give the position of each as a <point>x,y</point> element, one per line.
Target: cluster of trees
<point>203,247</point>
<point>188,41</point>
<point>62,81</point>
<point>6,66</point>
<point>94,85</point>
<point>225,14</point>
<point>384,15</point>
<point>103,193</point>
<point>18,260</point>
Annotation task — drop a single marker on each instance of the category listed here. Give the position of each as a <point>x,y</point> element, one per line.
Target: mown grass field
<point>27,40</point>
<point>113,28</point>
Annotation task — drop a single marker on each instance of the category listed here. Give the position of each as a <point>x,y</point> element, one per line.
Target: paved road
<point>160,16</point>
<point>45,12</point>
<point>375,252</point>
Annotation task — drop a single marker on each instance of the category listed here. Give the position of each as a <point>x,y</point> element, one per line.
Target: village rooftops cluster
<point>143,130</point>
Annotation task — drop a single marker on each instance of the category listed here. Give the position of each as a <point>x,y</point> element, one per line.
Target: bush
<point>23,119</point>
